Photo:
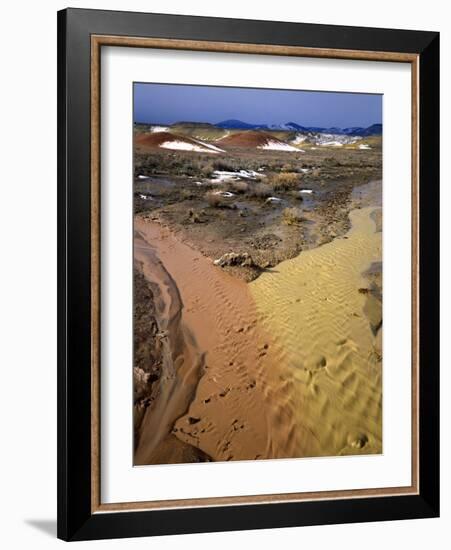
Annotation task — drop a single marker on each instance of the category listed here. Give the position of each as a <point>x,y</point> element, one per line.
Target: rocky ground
<point>147,348</point>
<point>263,221</point>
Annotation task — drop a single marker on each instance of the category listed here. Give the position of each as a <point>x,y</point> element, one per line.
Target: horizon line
<point>249,123</point>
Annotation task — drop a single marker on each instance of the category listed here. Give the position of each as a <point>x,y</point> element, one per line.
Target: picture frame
<point>81,36</point>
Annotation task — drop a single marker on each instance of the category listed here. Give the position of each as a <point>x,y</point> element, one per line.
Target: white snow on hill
<point>159,129</point>
<point>184,146</point>
<point>198,146</point>
<point>300,138</point>
<point>212,147</point>
<point>278,146</point>
<point>332,143</point>
<point>334,140</point>
<point>325,140</point>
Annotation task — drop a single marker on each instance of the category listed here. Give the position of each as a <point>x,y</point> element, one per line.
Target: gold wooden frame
<point>97,41</point>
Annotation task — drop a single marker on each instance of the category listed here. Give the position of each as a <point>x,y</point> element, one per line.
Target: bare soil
<point>249,223</point>
<point>206,367</point>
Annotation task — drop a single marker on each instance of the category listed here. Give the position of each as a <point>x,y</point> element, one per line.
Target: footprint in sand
<point>357,441</point>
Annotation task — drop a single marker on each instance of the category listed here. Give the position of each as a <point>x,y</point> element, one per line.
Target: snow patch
<point>210,146</point>
<point>331,144</point>
<point>186,146</point>
<point>278,146</point>
<point>273,199</point>
<point>154,129</point>
<point>224,175</point>
<point>226,134</point>
<point>331,140</point>
<point>299,139</point>
<point>364,146</point>
<point>225,194</point>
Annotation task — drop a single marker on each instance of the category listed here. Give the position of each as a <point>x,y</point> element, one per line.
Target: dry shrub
<point>195,217</point>
<point>206,169</point>
<point>284,181</point>
<point>238,186</point>
<point>292,216</point>
<point>260,190</point>
<point>225,164</point>
<point>214,199</point>
<point>186,195</point>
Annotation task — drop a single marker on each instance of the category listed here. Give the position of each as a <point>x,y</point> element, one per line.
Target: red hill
<point>255,139</point>
<point>168,140</point>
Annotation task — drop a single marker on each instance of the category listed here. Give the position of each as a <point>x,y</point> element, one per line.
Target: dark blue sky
<point>168,103</point>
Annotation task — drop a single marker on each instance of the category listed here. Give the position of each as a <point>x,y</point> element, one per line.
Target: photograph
<point>257,273</point>
<point>248,259</point>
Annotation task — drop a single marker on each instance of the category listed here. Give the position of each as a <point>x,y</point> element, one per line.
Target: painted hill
<point>257,140</point>
<point>176,142</point>
<point>198,130</point>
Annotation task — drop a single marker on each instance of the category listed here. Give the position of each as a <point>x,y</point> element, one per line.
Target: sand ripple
<point>328,397</point>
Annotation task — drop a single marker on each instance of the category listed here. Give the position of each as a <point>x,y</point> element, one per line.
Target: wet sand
<point>182,364</point>
<point>219,407</point>
<point>285,366</point>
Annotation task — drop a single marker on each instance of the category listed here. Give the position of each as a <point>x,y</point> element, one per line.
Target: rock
<point>267,242</point>
<point>140,382</point>
<point>195,217</point>
<point>242,259</point>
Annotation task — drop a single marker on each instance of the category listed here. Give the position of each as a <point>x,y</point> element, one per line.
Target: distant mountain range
<point>210,138</point>
<point>233,124</point>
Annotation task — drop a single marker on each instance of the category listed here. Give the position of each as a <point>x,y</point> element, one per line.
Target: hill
<point>168,140</point>
<point>257,140</point>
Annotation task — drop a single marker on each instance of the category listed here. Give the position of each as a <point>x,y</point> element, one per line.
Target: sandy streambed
<point>330,386</point>
<point>285,366</point>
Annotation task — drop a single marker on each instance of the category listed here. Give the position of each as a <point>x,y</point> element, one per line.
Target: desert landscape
<point>257,291</point>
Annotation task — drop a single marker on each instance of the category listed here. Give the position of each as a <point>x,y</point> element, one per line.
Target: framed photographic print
<point>248,274</point>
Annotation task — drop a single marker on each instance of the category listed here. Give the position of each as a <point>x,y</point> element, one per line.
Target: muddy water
<point>226,417</point>
<point>282,367</point>
<point>182,364</point>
